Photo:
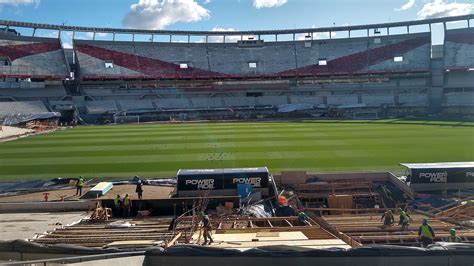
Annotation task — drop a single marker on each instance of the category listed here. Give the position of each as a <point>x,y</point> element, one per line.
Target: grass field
<point>161,149</point>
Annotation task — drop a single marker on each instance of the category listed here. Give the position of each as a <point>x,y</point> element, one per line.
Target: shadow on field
<point>392,122</point>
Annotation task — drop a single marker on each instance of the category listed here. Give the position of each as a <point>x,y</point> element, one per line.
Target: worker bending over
<point>426,233</point>
<point>387,218</point>
<point>404,219</point>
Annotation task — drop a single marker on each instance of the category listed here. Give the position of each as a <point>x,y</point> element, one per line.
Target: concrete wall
<point>110,259</point>
<point>46,206</point>
<point>302,260</point>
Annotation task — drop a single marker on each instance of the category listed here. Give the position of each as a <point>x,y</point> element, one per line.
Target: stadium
<point>336,127</point>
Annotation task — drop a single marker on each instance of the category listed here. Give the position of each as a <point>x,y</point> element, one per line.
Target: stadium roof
<point>185,172</point>
<point>438,165</point>
<point>8,24</point>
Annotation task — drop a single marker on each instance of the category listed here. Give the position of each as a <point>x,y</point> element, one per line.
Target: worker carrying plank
<point>387,218</point>
<point>426,233</point>
<point>206,226</point>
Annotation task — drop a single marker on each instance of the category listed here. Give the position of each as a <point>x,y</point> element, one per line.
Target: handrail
<point>9,23</point>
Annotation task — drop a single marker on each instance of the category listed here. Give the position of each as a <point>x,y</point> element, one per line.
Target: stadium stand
<point>136,105</point>
<point>385,73</point>
<point>100,107</point>
<point>413,99</point>
<point>342,99</point>
<point>207,102</point>
<point>113,60</point>
<point>169,103</point>
<point>272,100</point>
<point>21,108</point>
<point>459,99</point>
<point>31,57</point>
<point>458,49</point>
<point>240,101</point>
<point>377,100</point>
<point>51,93</point>
<point>307,99</point>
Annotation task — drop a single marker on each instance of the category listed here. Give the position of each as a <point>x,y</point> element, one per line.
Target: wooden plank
<point>173,240</point>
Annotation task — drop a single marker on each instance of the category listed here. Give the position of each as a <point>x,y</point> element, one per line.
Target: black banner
<point>442,175</point>
<point>224,179</point>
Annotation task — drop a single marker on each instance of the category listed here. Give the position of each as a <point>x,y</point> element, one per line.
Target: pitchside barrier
<point>366,115</point>
<point>127,119</point>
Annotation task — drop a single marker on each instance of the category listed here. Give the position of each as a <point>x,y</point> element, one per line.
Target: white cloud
<point>268,3</point>
<point>438,8</point>
<point>19,2</point>
<point>157,14</point>
<point>227,38</point>
<point>408,5</point>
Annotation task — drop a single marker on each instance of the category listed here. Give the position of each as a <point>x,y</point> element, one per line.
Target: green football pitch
<point>156,150</point>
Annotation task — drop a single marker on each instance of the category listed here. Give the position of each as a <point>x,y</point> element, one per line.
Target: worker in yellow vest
<point>117,205</point>
<point>127,205</point>
<point>453,238</point>
<point>426,233</point>
<point>79,185</point>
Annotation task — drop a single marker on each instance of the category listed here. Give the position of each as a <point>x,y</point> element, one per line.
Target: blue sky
<point>227,14</point>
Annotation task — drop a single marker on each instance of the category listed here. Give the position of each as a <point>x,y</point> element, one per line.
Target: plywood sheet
<point>340,202</point>
<point>293,177</point>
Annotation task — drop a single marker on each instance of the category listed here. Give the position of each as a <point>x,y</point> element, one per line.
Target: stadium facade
<point>384,69</point>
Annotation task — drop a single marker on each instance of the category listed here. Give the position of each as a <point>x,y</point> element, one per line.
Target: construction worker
<point>206,226</point>
<point>127,205</point>
<point>387,218</point>
<point>453,238</point>
<point>139,189</point>
<point>117,205</point>
<point>79,185</point>
<point>404,219</point>
<point>426,233</point>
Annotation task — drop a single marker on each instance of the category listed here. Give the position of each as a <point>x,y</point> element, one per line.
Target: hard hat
<point>399,209</point>
<point>425,220</point>
<point>390,211</point>
<point>452,231</point>
<point>200,214</point>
